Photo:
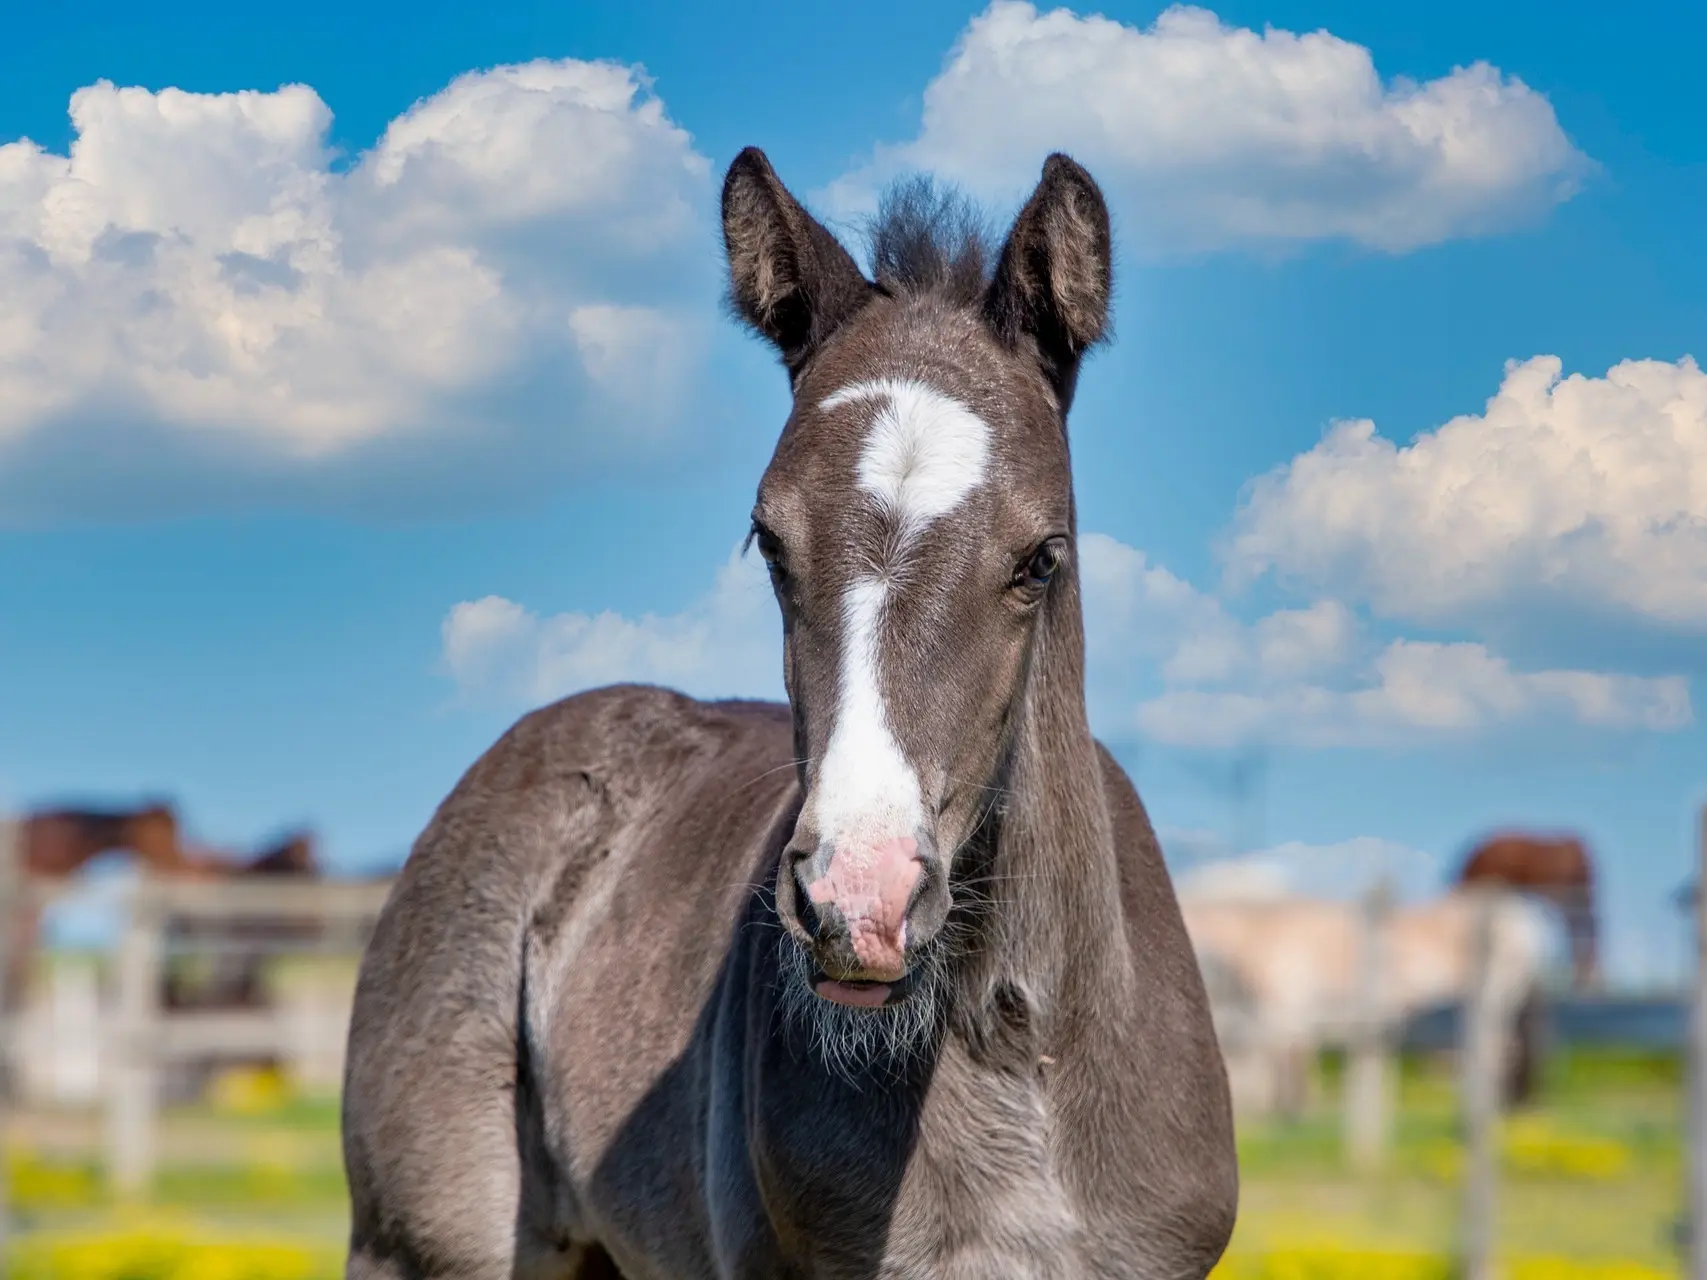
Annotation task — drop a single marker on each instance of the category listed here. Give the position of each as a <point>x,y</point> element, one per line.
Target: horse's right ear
<point>1053,281</point>
<point>789,278</point>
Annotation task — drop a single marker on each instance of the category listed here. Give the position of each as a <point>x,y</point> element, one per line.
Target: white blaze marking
<point>867,792</point>
<point>924,453</point>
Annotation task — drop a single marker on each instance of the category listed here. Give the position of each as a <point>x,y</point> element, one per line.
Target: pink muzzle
<point>871,888</point>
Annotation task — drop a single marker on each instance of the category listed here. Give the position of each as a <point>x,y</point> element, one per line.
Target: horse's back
<point>525,863</point>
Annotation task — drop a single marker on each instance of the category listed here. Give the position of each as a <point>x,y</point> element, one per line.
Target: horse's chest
<point>983,1195</point>
<point>966,1187</point>
<point>1024,1226</point>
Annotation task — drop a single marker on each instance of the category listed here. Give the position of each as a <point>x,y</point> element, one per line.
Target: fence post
<point>1368,1079</point>
<point>11,887</point>
<point>133,1080</point>
<point>1697,1219</point>
<point>1479,1068</point>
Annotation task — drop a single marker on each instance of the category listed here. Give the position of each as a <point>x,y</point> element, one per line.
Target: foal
<point>961,1033</point>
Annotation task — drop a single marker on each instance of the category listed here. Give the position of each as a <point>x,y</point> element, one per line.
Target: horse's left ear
<point>1055,275</point>
<point>789,278</point>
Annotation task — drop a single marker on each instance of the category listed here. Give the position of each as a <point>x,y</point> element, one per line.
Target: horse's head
<point>917,518</point>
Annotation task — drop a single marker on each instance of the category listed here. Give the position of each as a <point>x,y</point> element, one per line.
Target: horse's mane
<point>928,238</point>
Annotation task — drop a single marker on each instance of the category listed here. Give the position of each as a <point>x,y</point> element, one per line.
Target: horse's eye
<point>1036,572</point>
<point>770,546</point>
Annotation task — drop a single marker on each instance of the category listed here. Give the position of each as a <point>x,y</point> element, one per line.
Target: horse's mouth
<point>861,993</point>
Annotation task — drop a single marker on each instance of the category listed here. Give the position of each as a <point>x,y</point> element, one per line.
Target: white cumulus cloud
<point>1135,607</point>
<point>201,276</point>
<point>1313,677</point>
<point>1414,691</point>
<point>1590,491</point>
<point>727,643</point>
<point>1208,134</point>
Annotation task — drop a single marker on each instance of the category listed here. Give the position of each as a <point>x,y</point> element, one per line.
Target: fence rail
<point>167,918</point>
<point>229,901</point>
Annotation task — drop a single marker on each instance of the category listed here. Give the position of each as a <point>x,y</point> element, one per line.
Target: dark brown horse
<point>889,982</point>
<point>58,842</point>
<point>54,844</point>
<point>1559,870</point>
<point>1556,868</point>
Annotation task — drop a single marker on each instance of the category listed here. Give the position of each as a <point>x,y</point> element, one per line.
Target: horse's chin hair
<point>856,1044</point>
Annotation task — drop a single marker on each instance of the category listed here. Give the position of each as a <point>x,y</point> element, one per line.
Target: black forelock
<point>927,238</point>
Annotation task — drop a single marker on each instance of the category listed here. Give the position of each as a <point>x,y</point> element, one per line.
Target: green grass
<point>1593,1172</point>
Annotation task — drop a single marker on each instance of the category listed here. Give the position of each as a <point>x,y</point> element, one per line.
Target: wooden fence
<point>1370,1074</point>
<point>1696,1218</point>
<point>142,1038</point>
<point>145,1037</point>
<point>1484,1018</point>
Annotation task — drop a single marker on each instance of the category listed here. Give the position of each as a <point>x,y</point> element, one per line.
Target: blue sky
<point>340,422</point>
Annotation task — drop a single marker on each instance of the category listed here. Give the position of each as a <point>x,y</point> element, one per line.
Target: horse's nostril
<point>807,912</point>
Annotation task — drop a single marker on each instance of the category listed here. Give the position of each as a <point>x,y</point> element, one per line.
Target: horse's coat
<point>888,982</point>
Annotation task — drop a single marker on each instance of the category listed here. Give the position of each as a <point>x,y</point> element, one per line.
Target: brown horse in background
<point>57,843</point>
<point>1556,868</point>
<point>54,844</point>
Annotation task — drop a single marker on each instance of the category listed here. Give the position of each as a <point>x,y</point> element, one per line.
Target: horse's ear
<point>789,278</point>
<point>1055,275</point>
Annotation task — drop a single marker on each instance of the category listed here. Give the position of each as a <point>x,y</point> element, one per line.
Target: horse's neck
<point>1053,924</point>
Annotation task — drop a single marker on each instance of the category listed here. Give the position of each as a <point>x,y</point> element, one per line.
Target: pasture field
<point>1592,1178</point>
<point>252,1188</point>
